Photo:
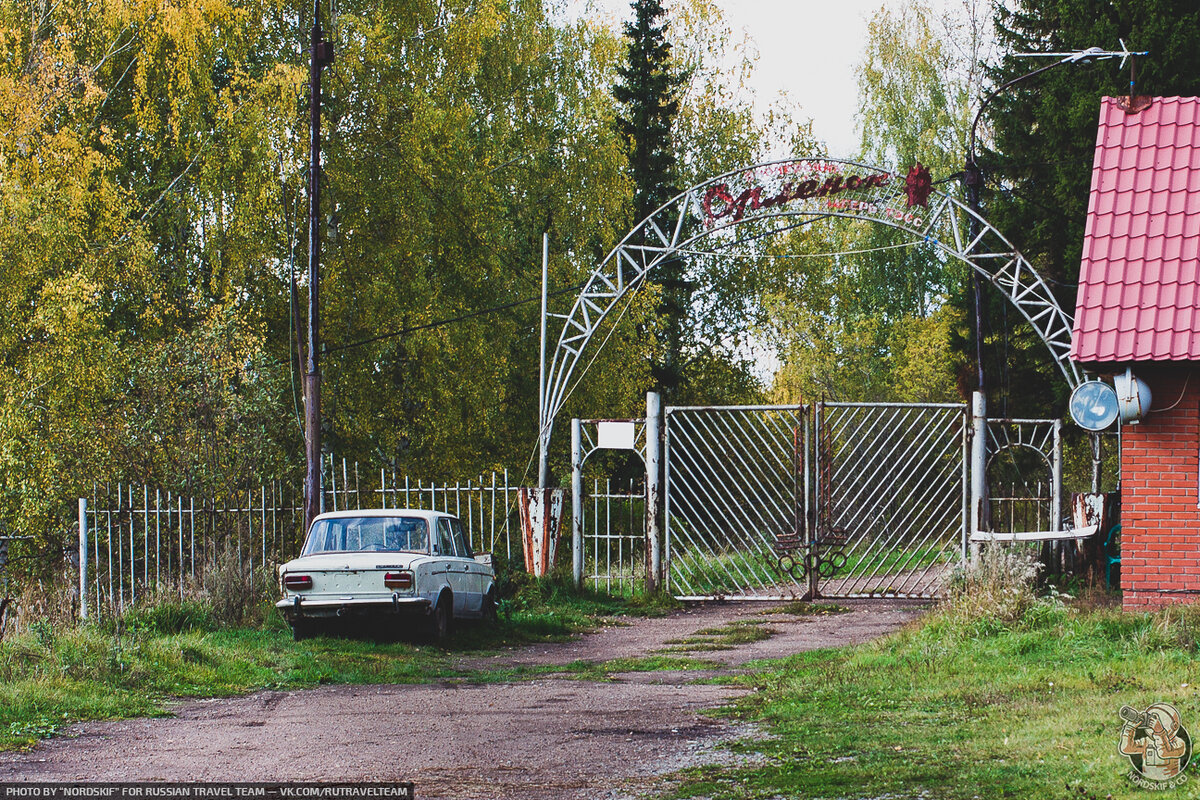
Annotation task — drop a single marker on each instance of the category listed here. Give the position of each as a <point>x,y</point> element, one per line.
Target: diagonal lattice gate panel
<point>890,497</point>
<point>734,489</point>
<point>838,501</point>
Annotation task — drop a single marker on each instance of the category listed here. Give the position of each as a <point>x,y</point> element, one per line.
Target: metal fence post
<point>653,493</point>
<point>978,461</point>
<point>1057,480</point>
<point>83,557</point>
<point>577,501</point>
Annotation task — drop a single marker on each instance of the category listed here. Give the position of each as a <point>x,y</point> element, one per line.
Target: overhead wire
<point>460,318</point>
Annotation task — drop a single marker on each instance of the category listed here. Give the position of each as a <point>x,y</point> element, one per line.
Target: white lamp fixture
<point>1133,397</point>
<point>1094,406</point>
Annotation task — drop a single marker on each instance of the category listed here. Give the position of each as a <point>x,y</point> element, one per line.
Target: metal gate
<point>834,500</point>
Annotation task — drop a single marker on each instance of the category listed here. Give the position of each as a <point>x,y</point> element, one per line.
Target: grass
<point>697,572</point>
<point>807,608</point>
<point>51,676</point>
<point>956,707</point>
<point>726,637</point>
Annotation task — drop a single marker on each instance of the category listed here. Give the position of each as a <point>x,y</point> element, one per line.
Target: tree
<point>879,320</point>
<point>648,94</point>
<point>1039,170</point>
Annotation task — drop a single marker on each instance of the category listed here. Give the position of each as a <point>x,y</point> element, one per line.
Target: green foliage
<point>168,618</point>
<point>648,93</point>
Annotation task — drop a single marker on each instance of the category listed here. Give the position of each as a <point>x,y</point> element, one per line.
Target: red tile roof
<point>1138,295</point>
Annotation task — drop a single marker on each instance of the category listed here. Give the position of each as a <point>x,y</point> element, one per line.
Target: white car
<point>409,566</point>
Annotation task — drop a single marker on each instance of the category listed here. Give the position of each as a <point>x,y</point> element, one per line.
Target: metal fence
<point>891,483</point>
<point>143,541</point>
<point>734,491</point>
<point>614,539</point>
<point>1017,507</point>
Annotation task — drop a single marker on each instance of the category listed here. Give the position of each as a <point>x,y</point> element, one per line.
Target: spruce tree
<point>648,94</point>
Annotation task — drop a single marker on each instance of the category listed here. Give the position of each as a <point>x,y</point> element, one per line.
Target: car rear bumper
<point>301,607</point>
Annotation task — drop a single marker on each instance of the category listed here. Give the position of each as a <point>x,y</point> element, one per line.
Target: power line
<point>452,320</point>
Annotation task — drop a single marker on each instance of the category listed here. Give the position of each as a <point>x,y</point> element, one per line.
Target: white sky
<point>808,48</point>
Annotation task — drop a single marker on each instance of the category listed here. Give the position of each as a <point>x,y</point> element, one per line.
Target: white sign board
<point>616,435</point>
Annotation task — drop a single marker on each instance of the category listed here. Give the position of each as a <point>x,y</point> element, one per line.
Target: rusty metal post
<point>577,501</point>
<point>653,490</point>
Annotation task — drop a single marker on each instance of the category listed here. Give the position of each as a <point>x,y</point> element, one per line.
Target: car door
<point>475,570</point>
<point>458,573</point>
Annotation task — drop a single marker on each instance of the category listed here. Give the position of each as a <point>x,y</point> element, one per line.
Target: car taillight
<point>398,580</point>
<point>297,582</point>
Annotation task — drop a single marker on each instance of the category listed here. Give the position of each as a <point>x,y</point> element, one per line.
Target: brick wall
<point>1160,470</point>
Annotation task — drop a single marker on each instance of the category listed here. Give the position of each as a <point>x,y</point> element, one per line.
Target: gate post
<point>653,490</point>
<point>978,461</point>
<point>1056,494</point>
<point>577,502</point>
<point>83,553</point>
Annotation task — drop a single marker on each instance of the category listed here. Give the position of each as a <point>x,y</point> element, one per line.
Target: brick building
<point>1139,307</point>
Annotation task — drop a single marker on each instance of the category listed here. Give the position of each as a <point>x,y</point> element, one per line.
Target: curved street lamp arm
<point>1077,57</point>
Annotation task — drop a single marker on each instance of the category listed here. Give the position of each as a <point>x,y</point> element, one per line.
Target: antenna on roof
<point>1090,54</point>
<point>1132,73</point>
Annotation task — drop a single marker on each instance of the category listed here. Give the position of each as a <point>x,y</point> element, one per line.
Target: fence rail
<point>143,541</point>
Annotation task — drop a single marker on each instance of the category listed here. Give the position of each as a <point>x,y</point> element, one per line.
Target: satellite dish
<point>1133,397</point>
<point>1094,405</point>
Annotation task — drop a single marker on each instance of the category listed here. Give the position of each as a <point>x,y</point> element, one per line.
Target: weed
<point>235,591</point>
<point>170,617</point>
<point>725,637</point>
<point>997,585</point>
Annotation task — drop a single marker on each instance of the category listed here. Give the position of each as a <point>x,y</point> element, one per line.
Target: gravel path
<point>555,737</point>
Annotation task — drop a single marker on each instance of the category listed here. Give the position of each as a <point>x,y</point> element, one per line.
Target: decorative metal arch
<point>787,194</point>
<point>1039,435</point>
<point>1043,437</point>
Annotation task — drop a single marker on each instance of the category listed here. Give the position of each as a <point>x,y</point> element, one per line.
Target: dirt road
<point>554,737</point>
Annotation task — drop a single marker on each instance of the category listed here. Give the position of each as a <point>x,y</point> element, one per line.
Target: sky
<point>808,48</point>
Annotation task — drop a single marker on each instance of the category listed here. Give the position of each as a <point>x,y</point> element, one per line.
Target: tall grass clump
<point>237,593</point>
<point>999,583</point>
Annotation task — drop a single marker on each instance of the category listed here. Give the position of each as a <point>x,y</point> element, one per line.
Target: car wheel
<point>490,615</point>
<point>437,624</point>
<point>303,629</point>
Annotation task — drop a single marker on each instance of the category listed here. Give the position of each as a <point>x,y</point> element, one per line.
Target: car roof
<point>383,512</point>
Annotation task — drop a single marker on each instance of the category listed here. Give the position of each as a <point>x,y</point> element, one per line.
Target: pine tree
<point>648,94</point>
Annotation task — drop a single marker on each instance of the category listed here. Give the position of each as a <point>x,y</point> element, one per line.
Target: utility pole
<point>321,53</point>
<point>973,176</point>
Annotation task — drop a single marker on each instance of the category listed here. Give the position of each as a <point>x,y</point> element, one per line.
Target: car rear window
<point>370,534</point>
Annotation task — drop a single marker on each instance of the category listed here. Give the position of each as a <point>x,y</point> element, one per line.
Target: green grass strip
<point>963,708</point>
